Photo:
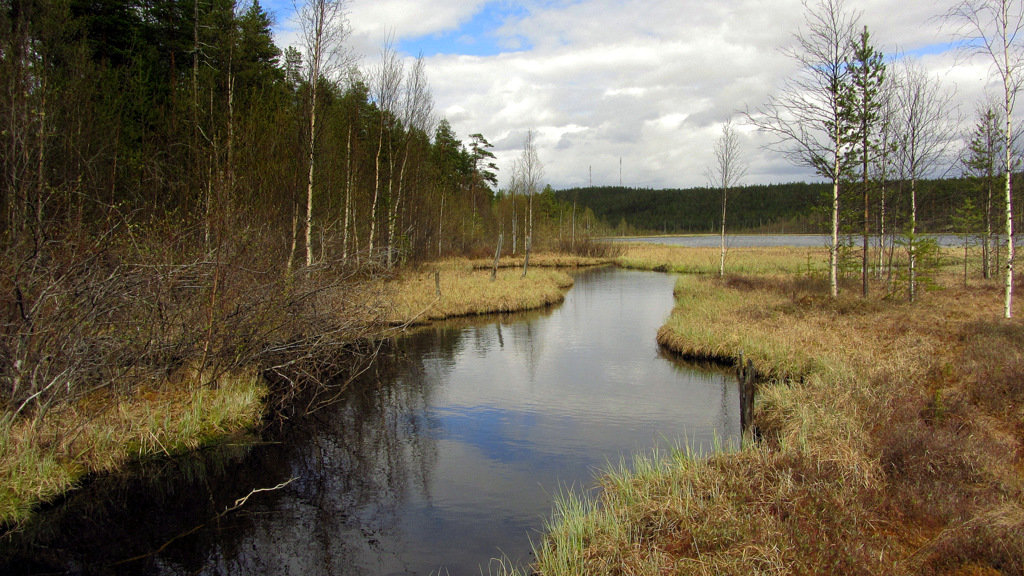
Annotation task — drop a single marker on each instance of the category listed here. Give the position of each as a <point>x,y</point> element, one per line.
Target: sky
<point>645,84</point>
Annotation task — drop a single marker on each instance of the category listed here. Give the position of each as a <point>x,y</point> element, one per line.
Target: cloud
<point>647,81</point>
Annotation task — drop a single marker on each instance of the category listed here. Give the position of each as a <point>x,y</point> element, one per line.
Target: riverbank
<point>44,456</point>
<point>893,438</point>
<point>461,287</point>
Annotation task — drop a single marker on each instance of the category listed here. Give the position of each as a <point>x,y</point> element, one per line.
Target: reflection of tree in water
<point>355,463</point>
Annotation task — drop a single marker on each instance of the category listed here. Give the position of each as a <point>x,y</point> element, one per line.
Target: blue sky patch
<point>477,36</point>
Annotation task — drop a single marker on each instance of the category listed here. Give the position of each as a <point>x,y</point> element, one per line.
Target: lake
<point>446,454</point>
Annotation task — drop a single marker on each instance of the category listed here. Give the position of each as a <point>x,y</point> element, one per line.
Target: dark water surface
<point>446,455</point>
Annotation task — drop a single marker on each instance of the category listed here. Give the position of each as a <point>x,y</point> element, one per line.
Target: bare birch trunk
<point>833,254</point>
<point>1008,150</point>
<point>515,224</point>
<point>881,232</point>
<point>721,261</point>
<point>312,159</point>
<point>913,240</point>
<point>440,227</point>
<point>376,185</point>
<point>348,196</point>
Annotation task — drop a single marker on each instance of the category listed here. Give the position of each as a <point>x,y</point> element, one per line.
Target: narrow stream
<point>448,454</point>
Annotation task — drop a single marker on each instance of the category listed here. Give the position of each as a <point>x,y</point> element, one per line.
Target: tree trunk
<point>1009,95</point>
<point>440,226</point>
<point>833,255</point>
<point>348,195</point>
<point>881,231</point>
<point>398,200</point>
<point>295,234</point>
<point>376,184</point>
<point>721,262</point>
<point>312,162</point>
<point>1008,298</point>
<point>912,286</point>
<point>515,224</point>
<point>988,244</point>
<point>40,163</point>
<point>867,222</point>
<point>497,256</point>
<point>572,245</point>
<point>526,260</point>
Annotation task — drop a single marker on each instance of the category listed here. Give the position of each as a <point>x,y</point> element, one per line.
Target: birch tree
<point>809,118</point>
<point>883,165</point>
<point>417,109</point>
<point>386,91</point>
<point>924,118</point>
<point>324,30</point>
<point>726,173</point>
<point>994,30</point>
<point>531,171</point>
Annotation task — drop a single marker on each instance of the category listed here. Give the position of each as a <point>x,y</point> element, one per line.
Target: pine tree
<point>867,75</point>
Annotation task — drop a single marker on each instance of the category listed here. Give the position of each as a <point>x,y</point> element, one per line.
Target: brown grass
<point>467,289</point>
<point>739,260</point>
<point>893,441</point>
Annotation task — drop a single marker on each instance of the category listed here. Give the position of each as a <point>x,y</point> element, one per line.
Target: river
<point>448,453</point>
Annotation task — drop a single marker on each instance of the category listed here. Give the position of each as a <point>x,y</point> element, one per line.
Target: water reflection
<point>445,455</point>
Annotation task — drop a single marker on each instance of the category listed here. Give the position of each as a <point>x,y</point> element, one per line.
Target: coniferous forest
<point>791,208</point>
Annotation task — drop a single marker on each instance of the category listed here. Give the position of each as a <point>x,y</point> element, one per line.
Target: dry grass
<point>545,260</point>
<point>739,260</point>
<point>893,442</point>
<point>41,459</point>
<point>467,289</point>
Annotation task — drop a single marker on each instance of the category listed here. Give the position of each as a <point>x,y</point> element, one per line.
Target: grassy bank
<point>466,287</point>
<point>42,458</point>
<point>893,440</point>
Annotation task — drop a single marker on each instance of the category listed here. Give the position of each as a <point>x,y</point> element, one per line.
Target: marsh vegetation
<point>889,435</point>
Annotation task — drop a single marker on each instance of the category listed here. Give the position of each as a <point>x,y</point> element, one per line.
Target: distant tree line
<point>795,207</point>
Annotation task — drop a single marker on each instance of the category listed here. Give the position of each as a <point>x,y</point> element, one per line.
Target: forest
<point>178,191</point>
<point>792,208</point>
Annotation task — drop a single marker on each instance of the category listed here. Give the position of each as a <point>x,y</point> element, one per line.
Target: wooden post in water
<point>746,375</point>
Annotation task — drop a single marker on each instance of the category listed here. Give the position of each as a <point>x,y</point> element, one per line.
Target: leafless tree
<point>417,115</point>
<point>531,171</point>
<point>386,87</point>
<point>883,166</point>
<point>808,118</point>
<point>994,29</point>
<point>727,171</point>
<point>923,113</point>
<point>324,31</point>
